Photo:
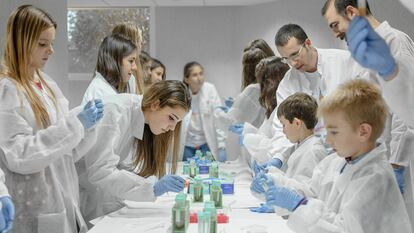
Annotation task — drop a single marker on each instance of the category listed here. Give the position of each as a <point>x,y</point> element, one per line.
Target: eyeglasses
<point>293,56</point>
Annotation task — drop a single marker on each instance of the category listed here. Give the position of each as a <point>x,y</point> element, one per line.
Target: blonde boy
<point>354,189</point>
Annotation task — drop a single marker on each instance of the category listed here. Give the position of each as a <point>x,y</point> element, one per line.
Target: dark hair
<point>301,106</point>
<point>250,59</point>
<point>144,57</point>
<point>270,71</point>
<point>288,31</point>
<point>340,6</point>
<point>157,63</point>
<point>112,50</point>
<point>259,44</point>
<point>188,67</point>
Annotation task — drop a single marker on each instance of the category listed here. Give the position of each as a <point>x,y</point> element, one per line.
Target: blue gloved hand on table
<point>169,183</point>
<point>283,197</point>
<point>259,182</point>
<point>264,208</point>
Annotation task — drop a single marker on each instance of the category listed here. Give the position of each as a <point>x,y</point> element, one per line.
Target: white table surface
<point>155,217</point>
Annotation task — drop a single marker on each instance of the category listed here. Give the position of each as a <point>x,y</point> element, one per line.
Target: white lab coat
<point>264,143</point>
<point>99,87</point>
<point>399,95</point>
<point>364,198</point>
<point>39,163</point>
<point>209,101</point>
<point>262,146</point>
<point>303,158</point>
<point>105,181</point>
<point>246,109</point>
<point>399,92</point>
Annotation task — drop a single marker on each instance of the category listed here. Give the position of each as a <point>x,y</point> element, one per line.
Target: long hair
<point>188,67</point>
<point>24,27</point>
<point>250,59</point>
<point>152,150</point>
<point>270,71</point>
<point>259,44</point>
<point>112,51</point>
<point>133,33</point>
<point>157,63</point>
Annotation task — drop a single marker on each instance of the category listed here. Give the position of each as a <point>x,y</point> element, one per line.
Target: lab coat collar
<point>383,28</point>
<point>102,79</point>
<point>138,120</point>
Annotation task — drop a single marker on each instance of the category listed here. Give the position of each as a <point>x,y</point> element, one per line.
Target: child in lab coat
<point>354,189</point>
<point>114,67</point>
<point>202,132</point>
<point>131,31</point>
<point>297,114</point>
<point>40,137</point>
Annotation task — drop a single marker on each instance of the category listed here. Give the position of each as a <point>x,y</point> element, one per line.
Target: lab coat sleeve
<point>216,102</point>
<point>401,144</point>
<point>26,150</point>
<point>301,177</point>
<point>369,202</point>
<point>3,188</point>
<point>102,162</point>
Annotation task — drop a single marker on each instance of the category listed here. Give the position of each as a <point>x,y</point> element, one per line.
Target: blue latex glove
<point>368,48</point>
<point>237,128</point>
<point>283,197</point>
<point>264,208</point>
<point>224,108</point>
<point>169,183</point>
<point>229,102</point>
<point>257,168</point>
<point>6,214</point>
<point>222,155</point>
<point>399,174</point>
<point>259,181</point>
<point>91,113</point>
<point>274,162</point>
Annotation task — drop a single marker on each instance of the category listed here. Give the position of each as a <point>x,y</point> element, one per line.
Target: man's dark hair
<point>340,6</point>
<point>288,31</point>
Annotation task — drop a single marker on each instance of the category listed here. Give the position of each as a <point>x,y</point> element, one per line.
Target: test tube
<point>179,220</point>
<point>362,7</point>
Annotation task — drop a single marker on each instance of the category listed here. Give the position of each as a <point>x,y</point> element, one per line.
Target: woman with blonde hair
<point>138,128</point>
<point>40,139</point>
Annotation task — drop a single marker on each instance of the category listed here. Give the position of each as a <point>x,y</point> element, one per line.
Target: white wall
<point>203,34</point>
<point>214,36</point>
<point>57,66</point>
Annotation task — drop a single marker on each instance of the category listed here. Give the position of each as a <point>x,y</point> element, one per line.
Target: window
<point>88,27</point>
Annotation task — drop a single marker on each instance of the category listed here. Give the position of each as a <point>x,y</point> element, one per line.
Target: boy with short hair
<point>298,115</point>
<point>354,189</point>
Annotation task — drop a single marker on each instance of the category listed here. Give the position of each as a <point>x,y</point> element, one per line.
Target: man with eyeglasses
<point>389,53</point>
<point>313,71</point>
